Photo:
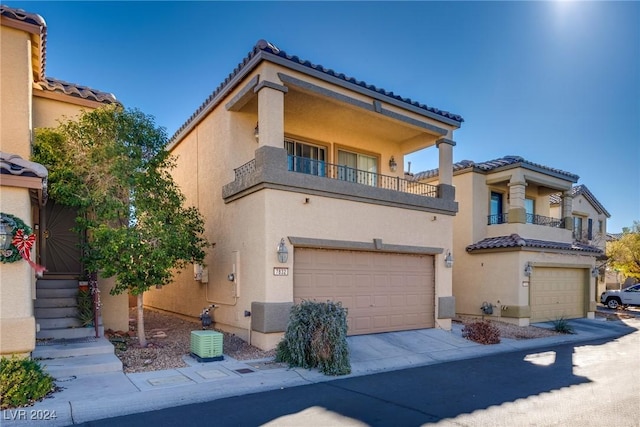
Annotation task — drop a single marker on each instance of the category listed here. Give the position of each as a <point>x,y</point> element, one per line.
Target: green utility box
<point>206,346</point>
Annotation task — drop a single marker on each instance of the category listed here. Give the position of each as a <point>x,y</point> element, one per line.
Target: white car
<point>615,298</point>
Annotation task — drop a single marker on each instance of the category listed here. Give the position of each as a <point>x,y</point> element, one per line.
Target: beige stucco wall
<point>246,231</point>
<point>49,113</point>
<point>15,92</point>
<point>17,327</point>
<point>115,308</point>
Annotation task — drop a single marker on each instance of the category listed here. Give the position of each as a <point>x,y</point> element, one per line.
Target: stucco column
<point>445,168</point>
<point>517,193</point>
<point>271,113</point>
<point>567,209</point>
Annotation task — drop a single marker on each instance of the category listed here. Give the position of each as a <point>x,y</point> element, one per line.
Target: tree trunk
<point>142,339</point>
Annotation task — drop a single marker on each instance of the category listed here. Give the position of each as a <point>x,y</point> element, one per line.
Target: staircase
<point>56,310</point>
<point>63,345</point>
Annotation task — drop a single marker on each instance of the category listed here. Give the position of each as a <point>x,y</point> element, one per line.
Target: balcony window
<point>357,167</point>
<point>529,208</point>
<point>496,215</point>
<point>306,158</point>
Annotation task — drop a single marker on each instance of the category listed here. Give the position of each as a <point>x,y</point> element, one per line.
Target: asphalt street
<point>594,383</point>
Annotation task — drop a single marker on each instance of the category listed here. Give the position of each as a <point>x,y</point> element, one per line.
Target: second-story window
<point>577,228</point>
<point>356,167</point>
<point>530,209</point>
<point>495,208</point>
<point>306,158</point>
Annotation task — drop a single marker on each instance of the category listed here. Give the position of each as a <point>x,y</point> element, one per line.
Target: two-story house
<point>513,258</point>
<point>589,225</point>
<point>29,100</point>
<point>298,171</point>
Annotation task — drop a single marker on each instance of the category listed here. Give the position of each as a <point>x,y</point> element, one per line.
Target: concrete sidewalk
<point>92,397</point>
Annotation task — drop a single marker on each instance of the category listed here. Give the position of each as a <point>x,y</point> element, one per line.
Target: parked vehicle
<point>616,298</point>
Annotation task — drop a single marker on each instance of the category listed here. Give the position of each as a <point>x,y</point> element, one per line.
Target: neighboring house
<point>512,256</point>
<point>29,100</point>
<point>288,155</point>
<point>589,225</point>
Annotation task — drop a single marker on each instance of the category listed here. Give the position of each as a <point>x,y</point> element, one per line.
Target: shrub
<point>85,307</point>
<point>316,336</point>
<point>562,325</point>
<point>482,332</point>
<point>22,382</point>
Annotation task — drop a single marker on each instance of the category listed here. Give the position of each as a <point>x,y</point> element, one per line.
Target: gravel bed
<point>168,340</point>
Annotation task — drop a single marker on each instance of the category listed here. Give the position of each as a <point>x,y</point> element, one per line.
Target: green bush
<point>482,332</point>
<point>316,337</point>
<point>85,307</point>
<point>22,382</point>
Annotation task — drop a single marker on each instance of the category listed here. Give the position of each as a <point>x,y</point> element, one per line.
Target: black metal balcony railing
<point>544,220</point>
<point>530,219</point>
<point>497,219</point>
<point>345,173</point>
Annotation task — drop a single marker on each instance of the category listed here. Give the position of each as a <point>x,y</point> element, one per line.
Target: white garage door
<point>556,293</point>
<point>383,292</point>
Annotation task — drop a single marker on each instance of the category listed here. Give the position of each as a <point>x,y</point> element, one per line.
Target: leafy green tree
<point>112,165</point>
<point>624,253</point>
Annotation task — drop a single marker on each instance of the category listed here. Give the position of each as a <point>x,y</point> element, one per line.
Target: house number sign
<point>280,271</point>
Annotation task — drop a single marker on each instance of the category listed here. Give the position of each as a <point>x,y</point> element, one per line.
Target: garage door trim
<point>376,245</point>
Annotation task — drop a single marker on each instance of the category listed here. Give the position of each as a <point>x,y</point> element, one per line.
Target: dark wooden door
<point>61,250</point>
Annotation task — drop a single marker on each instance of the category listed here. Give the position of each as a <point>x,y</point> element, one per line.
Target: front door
<point>60,250</point>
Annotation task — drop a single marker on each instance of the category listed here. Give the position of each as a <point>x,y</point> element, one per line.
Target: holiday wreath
<point>22,241</point>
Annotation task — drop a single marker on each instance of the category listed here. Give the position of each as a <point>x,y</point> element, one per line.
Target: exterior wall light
<point>231,277</point>
<point>283,252</point>
<point>392,164</point>
<point>6,235</point>
<point>527,270</point>
<point>256,133</point>
<point>448,260</point>
<point>595,272</point>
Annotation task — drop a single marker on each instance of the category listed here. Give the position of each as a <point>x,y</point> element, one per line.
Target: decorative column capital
<point>445,141</point>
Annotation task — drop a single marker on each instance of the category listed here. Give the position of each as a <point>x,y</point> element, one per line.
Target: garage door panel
<point>382,292</point>
<point>557,292</point>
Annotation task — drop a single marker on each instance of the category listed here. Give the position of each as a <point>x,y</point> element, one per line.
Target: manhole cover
<point>244,371</point>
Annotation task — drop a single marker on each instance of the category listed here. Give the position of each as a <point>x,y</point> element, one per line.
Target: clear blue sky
<point>557,83</point>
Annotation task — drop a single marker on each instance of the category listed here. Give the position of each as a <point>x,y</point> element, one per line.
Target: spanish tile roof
<point>515,241</point>
<point>22,16</point>
<point>15,165</point>
<point>555,199</point>
<point>264,48</point>
<point>77,91</point>
<point>506,162</point>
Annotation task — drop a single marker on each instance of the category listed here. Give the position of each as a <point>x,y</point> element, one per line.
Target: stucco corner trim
<point>270,85</point>
<point>376,245</point>
<point>243,96</point>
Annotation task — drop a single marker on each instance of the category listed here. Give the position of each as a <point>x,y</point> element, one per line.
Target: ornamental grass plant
<point>316,337</point>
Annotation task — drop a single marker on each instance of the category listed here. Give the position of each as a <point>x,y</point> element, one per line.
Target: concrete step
<point>56,284</point>
<point>82,365</point>
<point>57,293</point>
<point>56,349</point>
<point>60,323</point>
<point>69,333</point>
<point>55,312</point>
<point>54,302</point>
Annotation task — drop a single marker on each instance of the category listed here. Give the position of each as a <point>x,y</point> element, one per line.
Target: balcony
<point>530,219</point>
<point>273,168</point>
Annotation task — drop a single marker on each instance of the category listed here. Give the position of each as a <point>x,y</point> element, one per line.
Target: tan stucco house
<point>31,307</point>
<point>288,155</point>
<point>515,259</point>
<point>589,218</point>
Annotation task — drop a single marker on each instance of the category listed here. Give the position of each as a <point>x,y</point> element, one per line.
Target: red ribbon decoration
<point>24,243</point>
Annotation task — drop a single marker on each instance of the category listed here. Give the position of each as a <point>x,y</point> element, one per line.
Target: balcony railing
<point>345,173</point>
<point>246,169</point>
<point>530,219</point>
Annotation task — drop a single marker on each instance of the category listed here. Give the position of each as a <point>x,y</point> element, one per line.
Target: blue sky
<point>557,83</point>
